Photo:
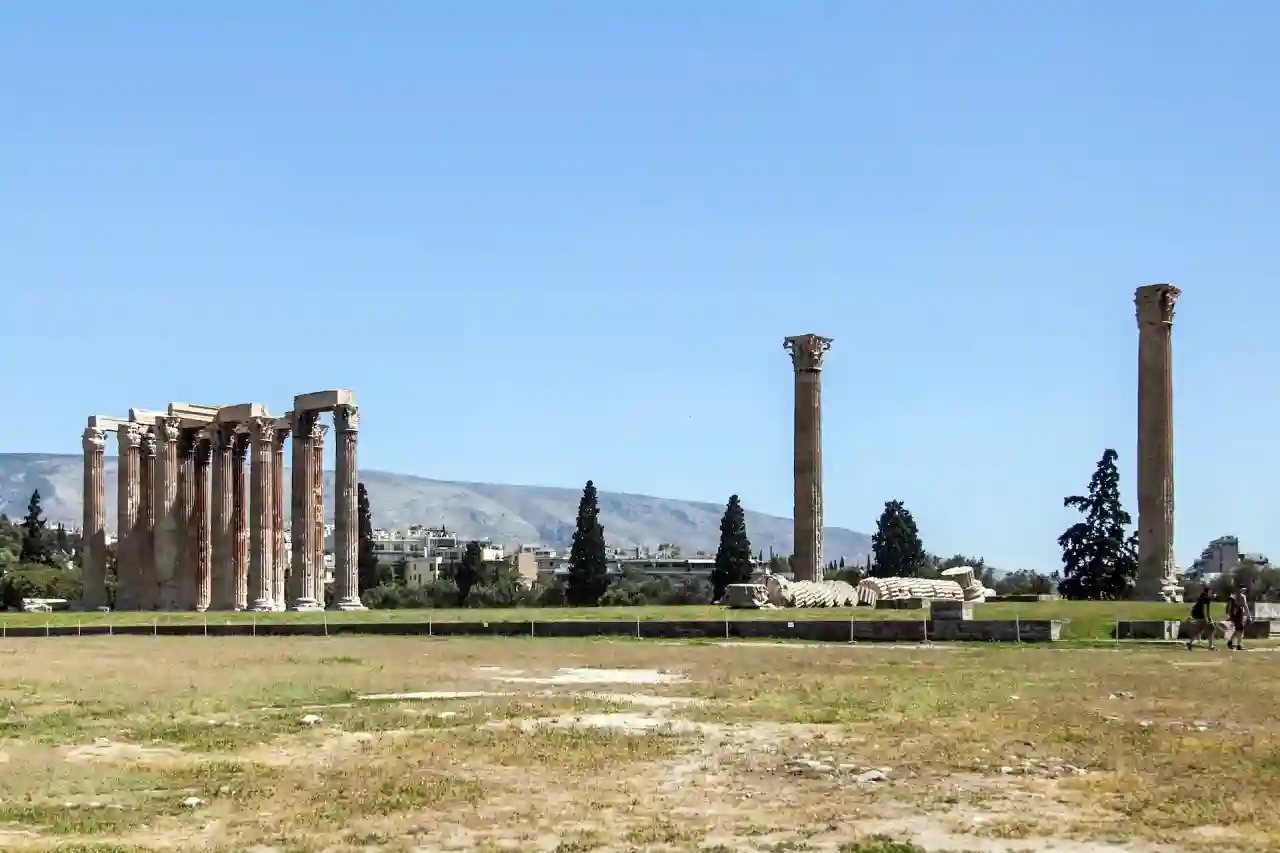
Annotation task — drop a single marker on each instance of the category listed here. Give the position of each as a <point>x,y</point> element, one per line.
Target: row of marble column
<point>192,537</point>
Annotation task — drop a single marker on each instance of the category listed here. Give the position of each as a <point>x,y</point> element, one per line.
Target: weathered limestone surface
<point>317,503</point>
<point>967,578</point>
<point>784,593</point>
<point>129,440</point>
<point>221,535</point>
<point>239,523</point>
<point>188,553</point>
<point>280,563</point>
<point>1157,576</point>
<point>872,591</point>
<point>167,539</point>
<point>747,596</point>
<point>261,539</point>
<point>346,534</point>
<point>148,590</point>
<point>201,527</point>
<point>94,570</point>
<point>807,352</point>
<point>302,583</point>
<point>323,401</point>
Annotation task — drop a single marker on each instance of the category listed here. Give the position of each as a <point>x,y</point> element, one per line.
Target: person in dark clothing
<point>1202,624</point>
<point>1238,613</point>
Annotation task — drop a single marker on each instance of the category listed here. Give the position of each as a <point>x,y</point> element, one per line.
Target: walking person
<point>1202,623</point>
<point>1238,613</point>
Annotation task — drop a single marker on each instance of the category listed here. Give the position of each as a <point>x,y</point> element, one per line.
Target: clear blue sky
<point>548,241</point>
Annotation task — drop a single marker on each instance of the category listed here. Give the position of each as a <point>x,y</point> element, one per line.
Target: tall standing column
<point>1157,576</point>
<point>222,541</point>
<point>200,525</point>
<point>147,591</point>
<point>261,540</point>
<point>189,551</point>
<point>168,542</point>
<point>346,534</point>
<point>317,481</point>
<point>302,519</point>
<point>280,568</point>
<point>94,554</point>
<point>807,352</point>
<point>129,441</point>
<point>239,523</point>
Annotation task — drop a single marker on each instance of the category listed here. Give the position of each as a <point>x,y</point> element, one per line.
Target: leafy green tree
<point>36,547</point>
<point>468,571</point>
<point>1099,562</point>
<point>588,563</point>
<point>366,560</point>
<point>899,553</point>
<point>733,557</point>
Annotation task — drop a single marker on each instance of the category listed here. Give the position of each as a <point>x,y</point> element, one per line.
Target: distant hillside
<point>506,514</point>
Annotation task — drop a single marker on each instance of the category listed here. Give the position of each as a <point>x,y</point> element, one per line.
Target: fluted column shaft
<point>148,591</point>
<point>807,352</point>
<point>189,553</point>
<point>221,535</point>
<point>317,474</point>
<point>239,523</point>
<point>129,440</point>
<point>280,568</point>
<point>1155,307</point>
<point>346,534</point>
<point>261,540</point>
<point>201,527</point>
<point>302,520</point>
<point>168,542</point>
<point>93,569</point>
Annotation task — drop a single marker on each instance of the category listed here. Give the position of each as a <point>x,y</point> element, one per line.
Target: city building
<point>1220,556</point>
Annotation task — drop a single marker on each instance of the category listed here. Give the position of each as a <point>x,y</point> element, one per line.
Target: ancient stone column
<point>346,514</point>
<point>200,525</point>
<point>148,591</point>
<point>317,474</point>
<point>1155,304</point>
<point>222,542</point>
<point>129,441</point>
<point>168,542</point>
<point>189,552</point>
<point>94,555</point>
<point>302,583</point>
<point>262,546</point>
<point>280,566</point>
<point>239,523</point>
<point>807,352</point>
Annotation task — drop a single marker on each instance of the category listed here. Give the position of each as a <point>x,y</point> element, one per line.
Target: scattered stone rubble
<point>961,584</point>
<point>874,590</point>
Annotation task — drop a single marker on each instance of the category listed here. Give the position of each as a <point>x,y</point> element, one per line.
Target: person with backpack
<point>1202,624</point>
<point>1238,613</point>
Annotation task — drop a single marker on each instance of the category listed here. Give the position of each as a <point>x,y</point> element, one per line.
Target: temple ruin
<point>1157,573</point>
<point>807,352</point>
<point>190,536</point>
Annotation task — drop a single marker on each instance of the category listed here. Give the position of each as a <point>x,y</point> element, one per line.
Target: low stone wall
<point>1019,599</point>
<point>813,630</point>
<point>1157,629</point>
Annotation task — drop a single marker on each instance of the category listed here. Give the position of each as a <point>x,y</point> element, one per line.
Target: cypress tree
<point>36,547</point>
<point>899,553</point>
<point>733,557</point>
<point>588,564</point>
<point>466,573</point>
<point>366,561</point>
<point>1099,562</point>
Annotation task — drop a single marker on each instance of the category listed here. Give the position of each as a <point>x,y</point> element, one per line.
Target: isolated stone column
<point>346,534</point>
<point>93,568</point>
<point>280,564</point>
<point>239,523</point>
<point>168,542</point>
<point>147,589</point>
<point>129,441</point>
<point>317,474</point>
<point>807,352</point>
<point>222,541</point>
<point>200,525</point>
<point>1155,304</point>
<point>302,583</point>
<point>262,548</point>
<point>188,553</point>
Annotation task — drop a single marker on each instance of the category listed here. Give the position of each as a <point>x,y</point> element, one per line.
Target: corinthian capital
<point>167,429</point>
<point>346,419</point>
<point>129,435</point>
<point>806,351</point>
<point>94,440</point>
<point>1155,304</point>
<point>149,443</point>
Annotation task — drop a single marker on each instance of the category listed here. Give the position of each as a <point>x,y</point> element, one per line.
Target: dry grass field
<point>132,744</point>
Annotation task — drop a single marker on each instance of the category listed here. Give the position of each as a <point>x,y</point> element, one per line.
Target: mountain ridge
<point>505,513</point>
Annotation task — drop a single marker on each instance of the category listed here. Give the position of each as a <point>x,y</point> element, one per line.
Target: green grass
<point>1085,620</point>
